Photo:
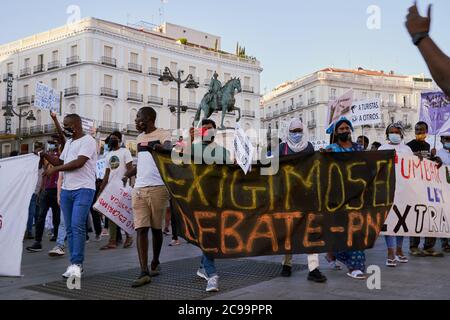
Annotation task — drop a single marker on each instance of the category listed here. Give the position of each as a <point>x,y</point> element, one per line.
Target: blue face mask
<point>295,137</point>
<point>51,147</point>
<point>447,145</point>
<point>106,148</point>
<point>395,138</point>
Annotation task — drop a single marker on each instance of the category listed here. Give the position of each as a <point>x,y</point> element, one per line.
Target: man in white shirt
<point>77,162</point>
<point>150,196</point>
<point>118,162</point>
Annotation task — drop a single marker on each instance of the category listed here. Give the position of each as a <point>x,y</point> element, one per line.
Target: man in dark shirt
<point>422,148</point>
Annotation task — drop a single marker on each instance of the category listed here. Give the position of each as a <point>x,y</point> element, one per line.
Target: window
<point>134,57</point>
<point>391,98</point>
<point>25,90</point>
<point>209,74</point>
<point>73,80</point>
<point>174,66</point>
<point>333,94</point>
<point>292,101</point>
<point>154,63</point>
<point>108,81</point>
<point>55,84</point>
<point>193,71</point>
<point>247,104</point>
<point>313,115</point>
<point>247,81</point>
<point>227,77</point>
<point>133,86</point>
<point>40,60</point>
<point>9,67</point>
<point>6,149</point>
<point>27,63</point>
<point>55,55</point>
<point>173,94</point>
<point>108,52</point>
<point>301,117</point>
<point>39,118</point>
<point>154,90</point>
<point>74,50</point>
<point>107,113</point>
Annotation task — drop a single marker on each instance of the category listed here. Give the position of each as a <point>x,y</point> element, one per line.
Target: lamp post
<point>10,112</point>
<point>167,77</point>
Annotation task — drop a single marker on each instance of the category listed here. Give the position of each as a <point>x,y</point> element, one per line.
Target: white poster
<point>100,168</point>
<point>320,144</point>
<point>18,181</point>
<point>366,112</point>
<point>422,200</point>
<point>340,107</point>
<point>115,204</point>
<point>243,149</point>
<point>47,98</point>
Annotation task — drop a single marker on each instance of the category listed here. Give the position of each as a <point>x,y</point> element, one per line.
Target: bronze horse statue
<point>222,101</point>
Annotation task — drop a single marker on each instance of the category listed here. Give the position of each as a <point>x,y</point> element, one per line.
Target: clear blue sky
<point>290,37</point>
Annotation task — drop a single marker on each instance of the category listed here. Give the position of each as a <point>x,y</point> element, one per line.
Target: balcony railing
<point>22,132</point>
<point>36,130</point>
<point>276,113</point>
<point>312,124</point>
<point>248,114</point>
<point>108,61</point>
<point>291,108</point>
<point>155,100</point>
<point>25,72</point>
<point>174,103</point>
<point>248,89</point>
<point>283,110</point>
<point>311,101</point>
<point>299,104</point>
<point>39,68</point>
<point>108,127</point>
<point>24,101</point>
<point>108,92</point>
<point>137,97</point>
<point>268,115</point>
<point>193,105</point>
<point>53,65</point>
<point>207,82</point>
<point>155,72</point>
<point>70,92</point>
<point>73,60</point>
<point>134,67</point>
<point>49,129</point>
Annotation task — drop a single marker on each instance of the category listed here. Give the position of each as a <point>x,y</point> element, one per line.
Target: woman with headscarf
<point>355,261</point>
<point>395,135</point>
<point>297,144</point>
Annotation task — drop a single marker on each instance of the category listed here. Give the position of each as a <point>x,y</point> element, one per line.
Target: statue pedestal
<point>225,139</point>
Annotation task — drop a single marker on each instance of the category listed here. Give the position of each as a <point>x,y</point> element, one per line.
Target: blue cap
<point>335,125</point>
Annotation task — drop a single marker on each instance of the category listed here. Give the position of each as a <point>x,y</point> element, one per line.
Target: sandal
<point>357,274</point>
<point>128,243</point>
<point>109,246</point>
<point>391,263</point>
<point>402,259</point>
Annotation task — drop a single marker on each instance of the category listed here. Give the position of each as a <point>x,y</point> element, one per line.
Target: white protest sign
<point>100,168</point>
<point>366,112</point>
<point>47,98</point>
<point>115,204</point>
<point>87,125</point>
<point>243,149</point>
<point>18,181</point>
<point>319,144</point>
<point>339,107</point>
<point>422,200</point>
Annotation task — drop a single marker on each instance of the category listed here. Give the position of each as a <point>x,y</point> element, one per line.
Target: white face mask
<point>395,138</point>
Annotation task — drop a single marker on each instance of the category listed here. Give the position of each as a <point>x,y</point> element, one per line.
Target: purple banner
<point>435,110</point>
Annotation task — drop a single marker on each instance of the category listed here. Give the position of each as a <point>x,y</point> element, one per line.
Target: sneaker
<point>202,274</point>
<point>357,274</point>
<point>56,252</point>
<point>317,276</point>
<point>174,243</point>
<point>143,280</point>
<point>433,253</point>
<point>334,265</point>
<point>73,270</point>
<point>416,252</point>
<point>286,271</point>
<point>213,284</point>
<point>36,247</point>
<point>98,238</point>
<point>391,263</point>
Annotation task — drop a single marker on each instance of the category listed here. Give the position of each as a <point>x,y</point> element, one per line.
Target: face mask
<point>344,137</point>
<point>51,147</point>
<point>421,137</point>
<point>295,137</point>
<point>68,132</point>
<point>447,145</point>
<point>395,138</point>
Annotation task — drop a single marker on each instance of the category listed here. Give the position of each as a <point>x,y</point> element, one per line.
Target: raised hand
<point>415,23</point>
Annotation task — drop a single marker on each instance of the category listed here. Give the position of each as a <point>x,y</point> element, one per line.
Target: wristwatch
<point>418,37</point>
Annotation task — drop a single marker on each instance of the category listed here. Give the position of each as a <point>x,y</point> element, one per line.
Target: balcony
<point>155,100</point>
<point>174,103</point>
<point>135,67</point>
<point>36,130</point>
<point>108,127</point>
<point>299,104</point>
<point>108,61</point>
<point>248,114</point>
<point>39,68</point>
<point>23,132</point>
<point>268,115</point>
<point>248,89</point>
<point>136,97</point>
<point>291,108</point>
<point>311,101</point>
<point>154,72</point>
<point>312,124</point>
<point>49,129</point>
<point>72,60</point>
<point>108,92</point>
<point>24,101</point>
<point>54,65</point>
<point>283,110</point>
<point>276,113</point>
<point>70,92</point>
<point>193,105</point>
<point>25,72</point>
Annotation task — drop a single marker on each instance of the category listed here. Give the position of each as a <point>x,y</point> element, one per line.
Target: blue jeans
<point>75,206</point>
<point>32,210</point>
<point>390,242</point>
<point>209,266</point>
<point>61,240</point>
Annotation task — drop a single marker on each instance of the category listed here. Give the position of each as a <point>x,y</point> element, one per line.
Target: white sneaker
<point>98,238</point>
<point>202,274</point>
<point>56,252</point>
<point>73,270</point>
<point>66,275</point>
<point>213,284</point>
